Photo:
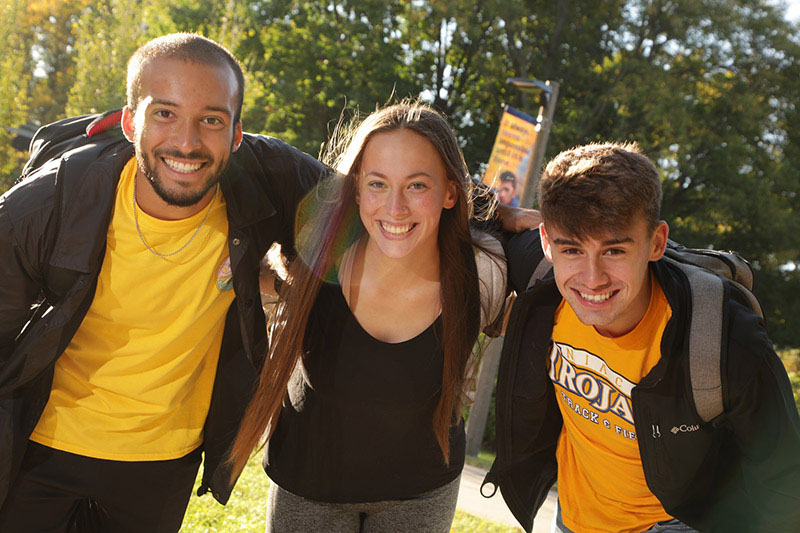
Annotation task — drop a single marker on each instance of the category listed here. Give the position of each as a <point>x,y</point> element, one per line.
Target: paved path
<point>494,508</point>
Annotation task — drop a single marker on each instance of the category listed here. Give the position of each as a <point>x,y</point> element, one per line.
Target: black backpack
<point>706,270</point>
<point>54,141</point>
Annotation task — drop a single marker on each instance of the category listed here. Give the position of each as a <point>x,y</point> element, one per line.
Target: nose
<point>187,136</point>
<point>397,204</point>
<point>594,275</point>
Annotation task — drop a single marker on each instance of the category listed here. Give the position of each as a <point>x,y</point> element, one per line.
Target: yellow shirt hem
<point>126,457</point>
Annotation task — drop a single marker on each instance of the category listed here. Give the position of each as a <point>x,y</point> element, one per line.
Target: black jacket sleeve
<point>289,175</point>
<point>19,289</point>
<point>763,417</point>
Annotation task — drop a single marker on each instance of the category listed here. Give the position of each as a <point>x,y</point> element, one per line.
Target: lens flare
<point>326,225</point>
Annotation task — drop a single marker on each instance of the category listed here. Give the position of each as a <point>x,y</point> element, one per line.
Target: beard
<point>184,197</point>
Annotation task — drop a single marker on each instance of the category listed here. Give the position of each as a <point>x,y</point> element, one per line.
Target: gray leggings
<point>430,512</point>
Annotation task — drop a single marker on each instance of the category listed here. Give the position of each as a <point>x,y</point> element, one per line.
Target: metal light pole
<point>479,412</point>
<point>548,93</point>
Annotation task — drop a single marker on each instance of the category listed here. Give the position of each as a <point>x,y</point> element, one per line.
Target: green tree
<point>454,51</point>
<point>314,59</point>
<point>47,31</point>
<point>13,89</point>
<point>106,36</point>
<point>463,52</point>
<point>712,99</point>
<point>109,32</point>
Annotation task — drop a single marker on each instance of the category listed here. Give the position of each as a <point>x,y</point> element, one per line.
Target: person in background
<point>361,393</point>
<point>507,194</point>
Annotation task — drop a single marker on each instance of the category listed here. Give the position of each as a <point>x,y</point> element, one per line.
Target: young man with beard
<point>147,356</point>
<point>594,386</point>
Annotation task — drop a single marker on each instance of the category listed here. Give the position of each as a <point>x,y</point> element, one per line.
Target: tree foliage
<point>107,34</point>
<point>315,59</point>
<point>709,88</point>
<point>13,89</point>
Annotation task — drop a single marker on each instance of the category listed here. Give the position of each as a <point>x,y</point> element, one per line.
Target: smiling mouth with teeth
<point>396,229</point>
<point>597,298</point>
<point>183,168</point>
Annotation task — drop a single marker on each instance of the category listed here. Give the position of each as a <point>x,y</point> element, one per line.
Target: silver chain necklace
<point>139,230</point>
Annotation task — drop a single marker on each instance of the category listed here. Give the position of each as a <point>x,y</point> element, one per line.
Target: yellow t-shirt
<point>135,382</point>
<point>601,484</point>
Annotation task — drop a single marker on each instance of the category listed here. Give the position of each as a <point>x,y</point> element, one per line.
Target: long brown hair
<point>334,205</point>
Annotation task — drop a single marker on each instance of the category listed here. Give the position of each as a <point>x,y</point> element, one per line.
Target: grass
<point>467,523</point>
<point>791,360</point>
<point>246,510</point>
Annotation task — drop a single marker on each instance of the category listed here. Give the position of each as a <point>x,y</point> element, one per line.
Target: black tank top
<point>357,425</point>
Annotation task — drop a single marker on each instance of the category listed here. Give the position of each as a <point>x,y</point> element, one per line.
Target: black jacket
<point>739,473</point>
<point>43,302</point>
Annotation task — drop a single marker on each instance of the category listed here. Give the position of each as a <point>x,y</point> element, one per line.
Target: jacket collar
<point>247,203</point>
<point>87,201</point>
<point>673,283</point>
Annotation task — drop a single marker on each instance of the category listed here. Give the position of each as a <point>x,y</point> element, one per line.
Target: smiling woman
<point>371,432</point>
<point>401,192</point>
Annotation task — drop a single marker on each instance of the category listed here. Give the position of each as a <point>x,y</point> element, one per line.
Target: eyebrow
<point>410,176</point>
<point>207,108</point>
<point>619,240</point>
<point>610,242</point>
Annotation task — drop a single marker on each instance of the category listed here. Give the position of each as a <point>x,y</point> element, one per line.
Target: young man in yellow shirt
<point>594,386</point>
<point>140,351</point>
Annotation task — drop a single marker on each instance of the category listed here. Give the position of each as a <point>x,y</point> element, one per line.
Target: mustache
<point>196,155</point>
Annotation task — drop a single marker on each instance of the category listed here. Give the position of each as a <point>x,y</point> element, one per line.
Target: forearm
<point>511,219</point>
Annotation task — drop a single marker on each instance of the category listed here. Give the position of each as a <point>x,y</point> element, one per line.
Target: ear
<point>237,136</point>
<point>658,242</point>
<point>127,123</point>
<point>548,252</point>
<point>451,196</point>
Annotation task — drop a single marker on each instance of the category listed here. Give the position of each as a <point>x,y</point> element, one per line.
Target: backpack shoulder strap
<point>705,339</point>
<point>539,272</point>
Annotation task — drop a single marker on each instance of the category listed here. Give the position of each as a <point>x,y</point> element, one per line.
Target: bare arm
<point>517,219</point>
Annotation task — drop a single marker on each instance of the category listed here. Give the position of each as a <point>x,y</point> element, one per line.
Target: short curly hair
<point>597,188</point>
